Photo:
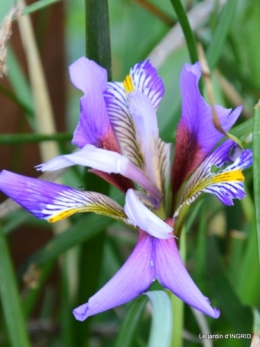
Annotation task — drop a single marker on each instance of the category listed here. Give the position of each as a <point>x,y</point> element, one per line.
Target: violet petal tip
<point>80,313</point>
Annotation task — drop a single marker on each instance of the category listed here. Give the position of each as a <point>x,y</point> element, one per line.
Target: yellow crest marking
<point>230,176</point>
<point>128,84</point>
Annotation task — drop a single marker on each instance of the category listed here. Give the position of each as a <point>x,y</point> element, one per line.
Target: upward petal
<point>172,274</point>
<point>94,126</point>
<point>134,278</point>
<point>196,133</point>
<point>52,201</point>
<point>144,78</point>
<point>147,133</point>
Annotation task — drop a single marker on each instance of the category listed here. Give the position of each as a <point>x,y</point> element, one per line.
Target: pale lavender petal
<point>139,215</point>
<point>134,278</point>
<point>147,133</point>
<point>94,125</point>
<point>172,274</point>
<point>103,160</point>
<point>196,133</point>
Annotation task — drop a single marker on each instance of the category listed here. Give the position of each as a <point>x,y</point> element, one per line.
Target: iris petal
<point>139,215</point>
<point>103,160</point>
<point>227,183</point>
<point>52,201</point>
<point>173,275</point>
<point>134,278</point>
<point>196,133</point>
<point>94,126</point>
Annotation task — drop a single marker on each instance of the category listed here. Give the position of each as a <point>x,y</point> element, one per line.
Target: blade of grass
<point>184,22</point>
<point>239,316</point>
<point>256,171</point>
<point>38,6</point>
<point>215,48</point>
<point>129,327</point>
<point>11,304</point>
<point>162,319</point>
<point>98,34</point>
<point>12,139</point>
<point>20,85</point>
<point>81,231</point>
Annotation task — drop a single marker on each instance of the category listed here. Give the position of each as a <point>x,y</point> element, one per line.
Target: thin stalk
<point>187,31</point>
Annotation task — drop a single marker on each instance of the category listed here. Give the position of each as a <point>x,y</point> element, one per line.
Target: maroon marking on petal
<point>119,181</point>
<point>188,156</point>
<point>109,142</point>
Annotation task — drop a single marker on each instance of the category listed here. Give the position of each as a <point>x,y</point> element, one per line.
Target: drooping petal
<point>143,77</point>
<point>139,215</point>
<point>103,160</point>
<point>172,274</point>
<point>147,133</point>
<point>196,133</point>
<point>134,278</point>
<point>227,183</point>
<point>52,201</point>
<point>94,125</point>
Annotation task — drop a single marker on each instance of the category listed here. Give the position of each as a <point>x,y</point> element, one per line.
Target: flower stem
<point>97,33</point>
<point>184,22</point>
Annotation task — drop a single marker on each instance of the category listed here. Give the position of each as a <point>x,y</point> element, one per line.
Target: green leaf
<point>130,325</point>
<point>162,319</point>
<point>256,328</point>
<point>81,231</point>
<point>187,31</point>
<point>38,6</point>
<point>215,48</point>
<point>20,84</point>
<point>238,315</point>
<point>256,171</point>
<point>98,34</point>
<point>11,304</point>
<point>243,130</point>
<point>12,139</point>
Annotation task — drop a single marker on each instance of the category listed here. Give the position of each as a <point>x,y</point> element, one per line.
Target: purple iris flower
<point>118,138</point>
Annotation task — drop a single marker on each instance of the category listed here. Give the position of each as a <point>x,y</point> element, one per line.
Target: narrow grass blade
<point>215,48</point>
<point>127,333</point>
<point>38,6</point>
<point>81,231</point>
<point>13,139</point>
<point>98,34</point>
<point>256,171</point>
<point>184,22</point>
<point>11,304</point>
<point>162,319</point>
<point>238,315</point>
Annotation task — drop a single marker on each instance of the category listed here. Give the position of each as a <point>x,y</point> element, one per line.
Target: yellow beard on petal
<point>128,84</point>
<point>62,215</point>
<point>228,176</point>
